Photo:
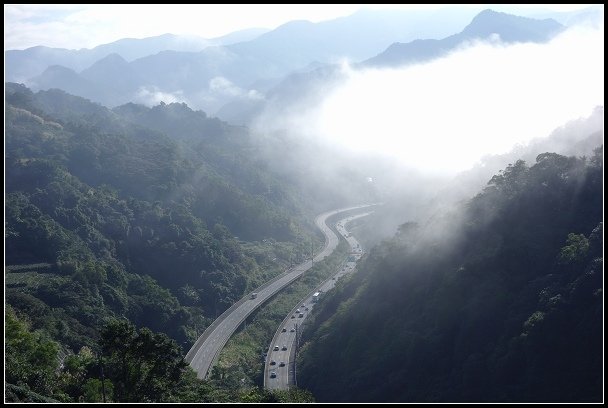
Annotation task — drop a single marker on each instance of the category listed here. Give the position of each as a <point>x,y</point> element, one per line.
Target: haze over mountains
<point>153,184</point>
<point>208,74</point>
<point>23,64</point>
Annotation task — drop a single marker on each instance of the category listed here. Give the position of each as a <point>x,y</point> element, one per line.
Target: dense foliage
<point>129,365</point>
<point>501,301</point>
<point>109,218</point>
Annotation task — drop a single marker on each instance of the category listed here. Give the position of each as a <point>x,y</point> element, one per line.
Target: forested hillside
<point>107,218</point>
<point>500,300</point>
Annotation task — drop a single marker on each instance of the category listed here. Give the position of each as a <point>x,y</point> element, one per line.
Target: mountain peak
<point>511,27</point>
<point>112,59</point>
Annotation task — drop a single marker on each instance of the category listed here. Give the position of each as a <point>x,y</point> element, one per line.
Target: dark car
<point>273,375</point>
<point>273,362</point>
<point>284,347</point>
<point>282,364</point>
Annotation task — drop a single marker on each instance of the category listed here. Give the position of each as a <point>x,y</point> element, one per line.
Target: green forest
<point>127,232</point>
<point>499,300</point>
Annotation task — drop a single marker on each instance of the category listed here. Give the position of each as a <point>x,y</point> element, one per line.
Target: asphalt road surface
<point>280,369</point>
<point>205,351</point>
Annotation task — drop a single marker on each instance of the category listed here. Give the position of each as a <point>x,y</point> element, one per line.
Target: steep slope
<point>102,209</point>
<point>498,301</point>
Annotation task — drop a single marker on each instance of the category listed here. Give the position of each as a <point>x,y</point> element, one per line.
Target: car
<point>306,308</point>
<point>284,330</point>
<point>303,304</point>
<point>272,362</point>
<point>301,315</point>
<point>284,347</point>
<point>273,375</point>
<point>292,330</point>
<point>298,311</point>
<point>293,316</point>
<point>282,364</point>
<point>334,278</point>
<point>276,348</point>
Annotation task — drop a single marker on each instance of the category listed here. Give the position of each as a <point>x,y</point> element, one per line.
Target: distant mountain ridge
<point>215,75</point>
<point>230,79</point>
<point>508,27</point>
<point>303,88</point>
<point>24,64</point>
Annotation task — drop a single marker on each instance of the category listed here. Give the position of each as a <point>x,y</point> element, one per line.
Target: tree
<point>31,358</point>
<point>143,366</point>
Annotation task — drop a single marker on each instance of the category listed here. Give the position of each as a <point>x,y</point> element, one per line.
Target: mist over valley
<point>359,204</point>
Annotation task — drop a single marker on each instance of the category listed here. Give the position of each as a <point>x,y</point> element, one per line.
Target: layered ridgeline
<point>135,214</point>
<point>500,300</point>
<point>233,76</point>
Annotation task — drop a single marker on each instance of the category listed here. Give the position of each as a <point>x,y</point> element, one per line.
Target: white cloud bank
<point>443,116</point>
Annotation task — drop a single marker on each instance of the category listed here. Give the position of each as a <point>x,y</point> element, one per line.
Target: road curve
<point>281,362</point>
<point>205,351</point>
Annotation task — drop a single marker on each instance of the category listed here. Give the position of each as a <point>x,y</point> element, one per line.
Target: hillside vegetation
<point>500,300</point>
<point>114,216</point>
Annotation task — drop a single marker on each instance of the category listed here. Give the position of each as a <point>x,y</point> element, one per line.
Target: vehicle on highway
<point>284,347</point>
<point>315,297</point>
<point>273,362</point>
<point>276,348</point>
<point>293,316</point>
<point>284,329</point>
<point>301,315</point>
<point>297,311</point>
<point>273,375</point>
<point>282,364</point>
<point>254,295</point>
<point>292,330</point>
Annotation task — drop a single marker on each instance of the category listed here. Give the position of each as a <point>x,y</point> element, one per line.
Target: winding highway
<point>205,351</point>
<point>279,368</point>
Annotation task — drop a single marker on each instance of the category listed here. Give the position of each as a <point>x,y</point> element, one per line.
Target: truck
<point>315,297</point>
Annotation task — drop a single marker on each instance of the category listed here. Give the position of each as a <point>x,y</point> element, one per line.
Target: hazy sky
<point>85,26</point>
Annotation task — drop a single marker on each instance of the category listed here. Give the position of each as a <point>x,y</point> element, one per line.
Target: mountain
<point>299,90</point>
<point>57,76</point>
<point>24,64</point>
<point>488,23</point>
<point>209,78</point>
<point>116,77</point>
<point>499,299</point>
<point>124,164</point>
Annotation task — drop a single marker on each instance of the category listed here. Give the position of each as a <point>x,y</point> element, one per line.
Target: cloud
<point>222,87</point>
<point>152,96</point>
<point>443,116</point>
